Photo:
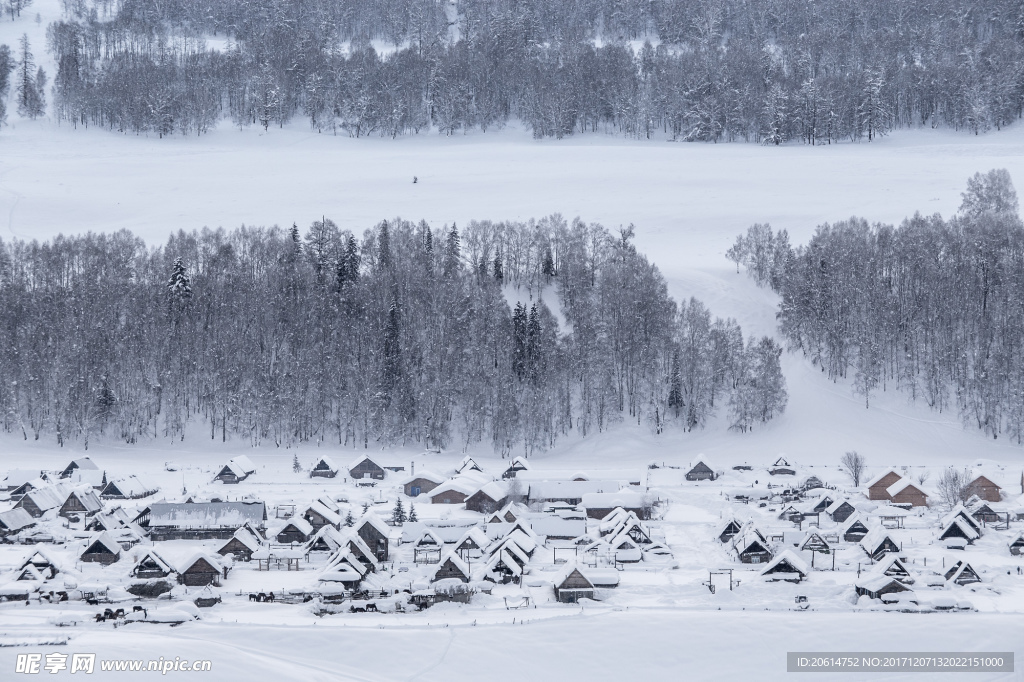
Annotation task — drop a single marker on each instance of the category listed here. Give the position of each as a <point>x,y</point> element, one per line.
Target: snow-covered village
<point>511,339</point>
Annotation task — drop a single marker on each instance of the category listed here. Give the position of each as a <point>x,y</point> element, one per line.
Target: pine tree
<point>179,287</point>
<point>296,466</point>
<point>548,263</point>
<point>349,520</point>
<point>499,272</point>
<point>7,65</point>
<point>384,247</point>
<point>31,100</point>
<point>412,514</point>
<point>675,385</point>
<point>398,516</point>
<point>452,252</point>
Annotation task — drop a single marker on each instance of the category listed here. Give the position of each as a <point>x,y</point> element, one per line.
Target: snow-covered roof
<point>104,540</point>
<point>466,464</point>
<point>874,583</point>
<point>550,525</point>
<point>429,537</point>
<point>131,486</point>
<point>330,515</point>
<point>375,521</point>
<point>852,520</point>
<point>49,496</point>
<point>787,557</point>
<point>206,514</point>
<point>970,532</point>
<point>882,475</point>
<point>14,520</point>
<point>327,462</point>
<point>467,488</point>
<point>426,475</point>
<point>496,490</point>
<point>567,570</point>
<point>241,465</point>
<point>83,463</point>
<point>251,542</point>
<point>17,477</point>
<point>93,478</point>
<point>456,561</point>
<point>474,534</point>
<point>959,511</point>
<point>214,562</point>
<point>155,557</point>
<point>298,523</point>
<point>364,458</point>
<point>563,490</point>
<point>901,485</point>
<point>626,498</point>
<point>875,537</point>
<point>87,498</point>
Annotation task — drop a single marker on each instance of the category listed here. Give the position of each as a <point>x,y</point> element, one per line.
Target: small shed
<point>572,584</point>
<point>103,550</point>
<point>877,544</point>
<point>895,568</point>
<point>236,470</point>
<point>422,483</point>
<point>877,586</point>
<point>77,464</point>
<point>326,539</point>
<point>295,531</point>
<point>375,533</point>
<point>751,547</point>
<point>202,569</point>
<point>700,472</point>
<point>365,468</point>
<point>472,541</point>
<point>814,542</point>
<point>729,530</point>
<point>985,488</point>
<point>854,530</point>
<point>840,510</point>
<point>324,468</point>
<point>241,545</point>
<point>42,563</point>
<point>878,485</point>
<point>151,565</point>
<point>961,573</point>
<point>958,528</point>
<point>130,488</point>
<point>781,467</point>
<point>786,566</point>
<point>452,566</point>
<point>518,464</point>
<point>319,515</point>
<point>467,464</point>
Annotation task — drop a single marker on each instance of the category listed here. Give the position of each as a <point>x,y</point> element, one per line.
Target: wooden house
<point>504,566</point>
<point>985,488</point>
<point>904,492</point>
<point>878,586</point>
<point>877,544</point>
<point>635,529</point>
<point>507,514</point>
<point>324,468</point>
<point>18,478</point>
<point>14,521</point>
<point>958,528</point>
<point>452,492</point>
<point>488,499</point>
<point>76,465</point>
<point>151,565</point>
<point>625,550</point>
<point>365,468</point>
<point>983,513</point>
<point>599,505</point>
<point>38,501</point>
<point>791,513</point>
<point>375,533</point>
<point>319,515</point>
<point>814,542</point>
<point>200,520</point>
<point>472,543</point>
<point>103,550</point>
<point>572,584</point>
<point>466,465</point>
<point>878,486</point>
<point>422,483</point>
<point>840,510</point>
<point>786,566</point>
<point>822,504</point>
<point>451,567</point>
<point>751,547</point>
<point>362,551</point>
<point>1017,545</point>
<point>895,568</point>
<point>781,467</point>
<point>343,568</point>
<point>130,488</point>
<point>236,470</point>
<point>295,531</point>
<point>81,502</point>
<point>202,569</point>
<point>854,530</point>
<point>811,483</point>
<point>518,464</point>
<point>42,563</point>
<point>961,573</point>
<point>700,472</point>
<point>326,539</point>
<point>728,530</point>
<point>241,545</point>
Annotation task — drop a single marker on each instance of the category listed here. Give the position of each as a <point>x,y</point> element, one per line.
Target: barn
<point>365,468</point>
<point>84,502</point>
<point>985,488</point>
<point>102,550</point>
<point>236,470</point>
<point>572,584</point>
<point>324,468</point>
<point>786,566</point>
<point>151,565</point>
<point>879,485</point>
<point>375,533</point>
<point>422,483</point>
<point>700,472</point>
<point>202,569</point>
<point>488,499</point>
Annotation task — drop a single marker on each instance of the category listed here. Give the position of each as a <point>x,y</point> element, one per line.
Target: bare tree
<point>853,464</point>
<point>923,476</point>
<point>954,486</point>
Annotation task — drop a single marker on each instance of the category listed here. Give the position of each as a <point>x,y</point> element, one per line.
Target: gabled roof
<point>82,463</point>
<point>456,561</point>
<point>426,475</point>
<point>781,462</point>
<point>570,568</point>
<point>968,531</point>
<point>787,562</point>
<point>241,466</point>
<point>506,558</point>
<point>894,567</point>
<point>87,498</point>
<point>363,458</point>
<point>519,463</point>
<point>876,583</point>
<point>874,539</point>
<point>103,541</point>
<point>328,464</point>
<point>376,522</point>
<point>251,542</point>
<point>983,482</point>
<point>466,464</point>
<point>132,486</point>
<point>17,477</point>
<point>298,523</point>
<point>329,515</point>
<point>429,537</point>
<point>454,485</point>
<point>155,557</point>
<point>200,556</point>
<point>853,520</point>
<point>495,490</point>
<point>959,511</point>
<point>331,537</point>
<point>700,467</point>
<point>14,520</point>
<point>623,498</point>
<point>901,485</point>
<point>879,477</point>
<point>474,534</point>
<point>48,497</point>
<point>962,571</point>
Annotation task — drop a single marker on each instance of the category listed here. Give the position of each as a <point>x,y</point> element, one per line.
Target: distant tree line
<point>715,70</point>
<point>934,307</point>
<point>403,335</point>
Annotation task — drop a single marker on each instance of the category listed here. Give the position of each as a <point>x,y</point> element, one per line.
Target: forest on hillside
<point>933,307</point>
<point>508,334</point>
<point>765,71</point>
